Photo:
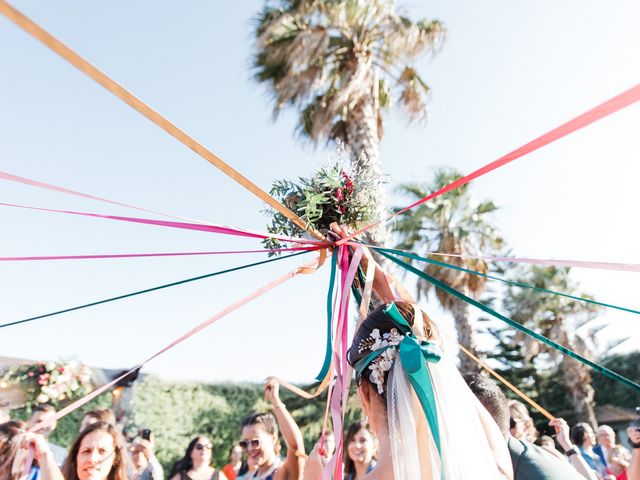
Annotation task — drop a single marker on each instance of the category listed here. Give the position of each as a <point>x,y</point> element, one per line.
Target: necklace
<point>268,473</point>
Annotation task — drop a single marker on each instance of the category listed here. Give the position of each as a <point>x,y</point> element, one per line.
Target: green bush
<point>177,412</point>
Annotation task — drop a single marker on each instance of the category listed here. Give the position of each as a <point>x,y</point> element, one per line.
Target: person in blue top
<point>17,446</point>
<point>361,448</point>
<point>583,436</point>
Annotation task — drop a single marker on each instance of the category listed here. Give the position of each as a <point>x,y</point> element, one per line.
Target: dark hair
<point>267,422</point>
<point>244,467</point>
<point>43,407</point>
<point>8,445</point>
<point>118,469</point>
<point>378,319</point>
<point>579,433</point>
<point>186,463</point>
<point>354,428</point>
<point>491,398</point>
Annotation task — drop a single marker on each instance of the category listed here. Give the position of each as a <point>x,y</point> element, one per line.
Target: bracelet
<point>571,451</point>
<point>279,405</point>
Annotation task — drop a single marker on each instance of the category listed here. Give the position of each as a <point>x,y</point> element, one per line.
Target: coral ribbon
<point>612,105</point>
<point>147,290</point>
<point>226,311</point>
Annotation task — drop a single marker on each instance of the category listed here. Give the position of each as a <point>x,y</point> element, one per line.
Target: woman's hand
<point>315,464</point>
<point>272,391</point>
<point>37,444</point>
<point>562,433</point>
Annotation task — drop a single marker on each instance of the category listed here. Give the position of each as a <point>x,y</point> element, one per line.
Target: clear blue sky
<point>509,71</point>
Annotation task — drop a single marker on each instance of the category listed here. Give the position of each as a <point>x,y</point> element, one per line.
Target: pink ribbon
<point>223,230</point>
<point>340,392</point>
<point>226,311</point>
<point>34,183</point>
<point>137,255</point>
<point>624,267</point>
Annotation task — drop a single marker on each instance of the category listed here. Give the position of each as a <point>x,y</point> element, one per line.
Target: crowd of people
<point>425,421</point>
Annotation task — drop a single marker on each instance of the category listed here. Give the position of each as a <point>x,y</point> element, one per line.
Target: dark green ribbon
<point>328,349</point>
<point>413,354</point>
<point>413,256</point>
<point>148,290</point>
<point>452,291</point>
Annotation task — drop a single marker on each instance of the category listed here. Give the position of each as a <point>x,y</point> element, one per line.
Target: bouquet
<point>49,382</point>
<point>329,195</point>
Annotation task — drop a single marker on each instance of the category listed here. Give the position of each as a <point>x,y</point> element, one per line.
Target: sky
<point>508,72</point>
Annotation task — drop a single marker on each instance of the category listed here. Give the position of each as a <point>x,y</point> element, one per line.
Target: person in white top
<point>606,441</point>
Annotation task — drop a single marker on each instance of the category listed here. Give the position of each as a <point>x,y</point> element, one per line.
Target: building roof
<point>614,414</point>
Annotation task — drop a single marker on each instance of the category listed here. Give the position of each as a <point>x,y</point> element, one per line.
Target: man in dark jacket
<point>530,462</point>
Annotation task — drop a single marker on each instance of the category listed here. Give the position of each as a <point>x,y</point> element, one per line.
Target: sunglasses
<point>250,444</point>
<point>200,446</point>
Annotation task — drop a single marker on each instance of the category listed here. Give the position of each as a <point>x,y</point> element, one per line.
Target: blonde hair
<point>518,411</point>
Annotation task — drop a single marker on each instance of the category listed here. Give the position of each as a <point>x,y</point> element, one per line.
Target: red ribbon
<point>607,108</point>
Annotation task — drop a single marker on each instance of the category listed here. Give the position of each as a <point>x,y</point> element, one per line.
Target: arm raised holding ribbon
<point>426,419</point>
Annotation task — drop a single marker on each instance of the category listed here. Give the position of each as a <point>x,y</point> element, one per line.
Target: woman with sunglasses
<point>196,463</point>
<point>260,440</point>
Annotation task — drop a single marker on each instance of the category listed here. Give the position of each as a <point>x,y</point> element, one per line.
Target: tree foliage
<point>326,57</point>
<point>177,412</point>
<point>611,392</point>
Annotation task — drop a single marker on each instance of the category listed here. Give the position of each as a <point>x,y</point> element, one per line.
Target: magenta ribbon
<point>223,230</point>
<point>35,183</point>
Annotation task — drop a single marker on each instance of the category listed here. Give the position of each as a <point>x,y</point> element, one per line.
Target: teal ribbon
<point>413,256</point>
<point>328,349</point>
<point>148,290</point>
<point>547,341</point>
<point>413,354</point>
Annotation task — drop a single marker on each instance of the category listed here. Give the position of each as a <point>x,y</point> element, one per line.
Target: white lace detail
<point>383,362</point>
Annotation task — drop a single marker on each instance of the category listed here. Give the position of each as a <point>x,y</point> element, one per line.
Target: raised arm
<point>575,459</point>
<point>294,463</point>
<point>42,453</point>
<point>633,472</point>
<point>383,283</point>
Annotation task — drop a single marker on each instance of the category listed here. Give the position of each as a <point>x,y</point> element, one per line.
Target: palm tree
<point>451,223</point>
<point>562,320</point>
<point>341,63</point>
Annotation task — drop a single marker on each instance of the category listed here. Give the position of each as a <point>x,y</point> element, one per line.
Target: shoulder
<point>531,462</point>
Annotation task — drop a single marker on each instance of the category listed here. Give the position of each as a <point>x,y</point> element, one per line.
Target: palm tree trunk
<point>364,142</point>
<point>578,381</point>
<point>466,335</point>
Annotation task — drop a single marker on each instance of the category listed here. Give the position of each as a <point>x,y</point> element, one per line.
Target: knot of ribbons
<point>414,355</point>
